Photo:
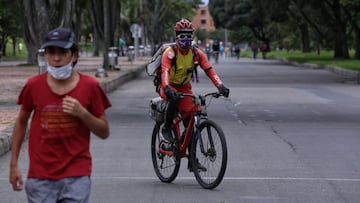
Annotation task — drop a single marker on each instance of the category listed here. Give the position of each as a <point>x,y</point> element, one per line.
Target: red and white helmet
<point>183,25</point>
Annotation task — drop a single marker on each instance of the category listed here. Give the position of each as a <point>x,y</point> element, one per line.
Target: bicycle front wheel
<point>209,155</point>
<point>166,166</point>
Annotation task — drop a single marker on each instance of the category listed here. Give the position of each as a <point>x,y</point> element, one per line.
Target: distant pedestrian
<point>237,51</point>
<point>208,51</point>
<point>255,49</point>
<point>195,75</point>
<point>226,52</point>
<point>65,107</point>
<point>264,49</point>
<point>216,49</point>
<point>221,49</point>
<point>122,44</point>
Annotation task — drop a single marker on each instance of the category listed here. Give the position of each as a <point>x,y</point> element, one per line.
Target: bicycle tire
<point>215,157</point>
<point>166,167</point>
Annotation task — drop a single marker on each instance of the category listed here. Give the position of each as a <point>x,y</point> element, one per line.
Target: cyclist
<point>175,77</point>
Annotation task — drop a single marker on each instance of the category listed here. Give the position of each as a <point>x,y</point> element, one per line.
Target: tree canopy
<point>292,24</point>
<point>106,20</point>
<point>329,23</point>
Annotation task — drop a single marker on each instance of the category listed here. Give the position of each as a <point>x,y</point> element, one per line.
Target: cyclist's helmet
<point>184,26</point>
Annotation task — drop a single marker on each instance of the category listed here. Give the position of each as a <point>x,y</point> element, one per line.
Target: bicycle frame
<point>176,126</point>
<point>195,116</point>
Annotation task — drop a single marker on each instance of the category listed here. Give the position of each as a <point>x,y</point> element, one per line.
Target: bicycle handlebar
<point>214,94</point>
<point>200,99</point>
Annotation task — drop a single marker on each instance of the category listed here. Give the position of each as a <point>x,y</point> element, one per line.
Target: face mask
<point>60,73</point>
<point>184,43</point>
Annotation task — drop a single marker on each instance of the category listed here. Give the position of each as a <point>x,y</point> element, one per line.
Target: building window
<point>203,21</point>
<point>203,12</point>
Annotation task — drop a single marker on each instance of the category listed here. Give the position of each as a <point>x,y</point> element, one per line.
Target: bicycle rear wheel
<point>209,155</point>
<point>166,166</point>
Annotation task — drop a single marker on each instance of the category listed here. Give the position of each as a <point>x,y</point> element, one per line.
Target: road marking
<point>236,178</point>
<point>225,178</point>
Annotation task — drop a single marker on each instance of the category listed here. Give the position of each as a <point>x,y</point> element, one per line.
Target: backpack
<point>153,68</point>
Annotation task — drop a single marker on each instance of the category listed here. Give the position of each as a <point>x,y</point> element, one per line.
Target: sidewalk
<point>13,77</point>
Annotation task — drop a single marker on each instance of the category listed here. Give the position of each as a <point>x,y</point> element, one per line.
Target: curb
<point>112,85</point>
<point>108,86</point>
<point>350,75</point>
<point>5,140</point>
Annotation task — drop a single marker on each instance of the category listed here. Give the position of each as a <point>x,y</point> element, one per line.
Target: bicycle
<point>203,138</point>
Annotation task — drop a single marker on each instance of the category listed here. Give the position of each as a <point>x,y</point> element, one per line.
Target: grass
<point>18,56</point>
<point>325,58</point>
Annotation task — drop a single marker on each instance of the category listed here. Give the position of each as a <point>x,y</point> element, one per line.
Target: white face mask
<point>60,73</point>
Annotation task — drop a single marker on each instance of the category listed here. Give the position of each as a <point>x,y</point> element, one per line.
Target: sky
<point>205,1</point>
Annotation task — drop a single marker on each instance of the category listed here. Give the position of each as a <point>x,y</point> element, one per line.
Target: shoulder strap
<point>173,62</point>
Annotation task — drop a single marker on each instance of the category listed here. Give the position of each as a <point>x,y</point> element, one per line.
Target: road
<point>292,135</point>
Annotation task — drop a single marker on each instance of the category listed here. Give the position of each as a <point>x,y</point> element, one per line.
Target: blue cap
<point>60,37</point>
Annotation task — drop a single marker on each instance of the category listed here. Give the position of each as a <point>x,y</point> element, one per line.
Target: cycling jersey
<point>184,61</point>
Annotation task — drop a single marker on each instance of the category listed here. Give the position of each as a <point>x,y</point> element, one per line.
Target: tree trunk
<point>341,48</point>
<point>96,42</point>
<point>305,38</point>
<point>106,16</point>
<point>39,17</point>
<point>35,27</point>
<point>357,43</point>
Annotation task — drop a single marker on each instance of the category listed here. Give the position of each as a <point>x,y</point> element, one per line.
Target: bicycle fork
<point>207,130</point>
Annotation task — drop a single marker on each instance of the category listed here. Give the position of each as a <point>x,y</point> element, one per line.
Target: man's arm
<point>17,140</point>
<point>208,69</point>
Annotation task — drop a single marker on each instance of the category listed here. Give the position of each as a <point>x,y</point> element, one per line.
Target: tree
<point>232,14</point>
<point>200,34</point>
<point>106,14</point>
<point>159,18</point>
<point>351,9</point>
<point>40,16</point>
<point>10,27</point>
<point>328,19</point>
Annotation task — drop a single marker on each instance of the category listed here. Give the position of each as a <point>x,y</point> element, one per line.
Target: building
<point>203,19</point>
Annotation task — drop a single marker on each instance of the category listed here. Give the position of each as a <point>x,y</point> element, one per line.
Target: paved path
<point>292,136</point>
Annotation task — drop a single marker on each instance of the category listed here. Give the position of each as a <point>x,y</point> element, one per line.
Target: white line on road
<point>237,178</point>
<point>225,178</point>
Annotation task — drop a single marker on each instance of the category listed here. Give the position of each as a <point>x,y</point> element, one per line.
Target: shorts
<point>67,190</point>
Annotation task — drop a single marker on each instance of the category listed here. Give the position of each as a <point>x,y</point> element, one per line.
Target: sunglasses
<point>185,36</point>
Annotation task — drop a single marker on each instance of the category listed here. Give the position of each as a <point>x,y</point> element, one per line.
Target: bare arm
<point>98,125</point>
<point>17,140</point>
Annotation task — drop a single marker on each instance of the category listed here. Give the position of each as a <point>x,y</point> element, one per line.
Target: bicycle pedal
<point>166,146</point>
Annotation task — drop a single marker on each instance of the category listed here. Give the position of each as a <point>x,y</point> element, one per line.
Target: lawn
<point>325,58</point>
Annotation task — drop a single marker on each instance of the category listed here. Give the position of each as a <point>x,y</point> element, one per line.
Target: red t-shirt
<point>58,142</point>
